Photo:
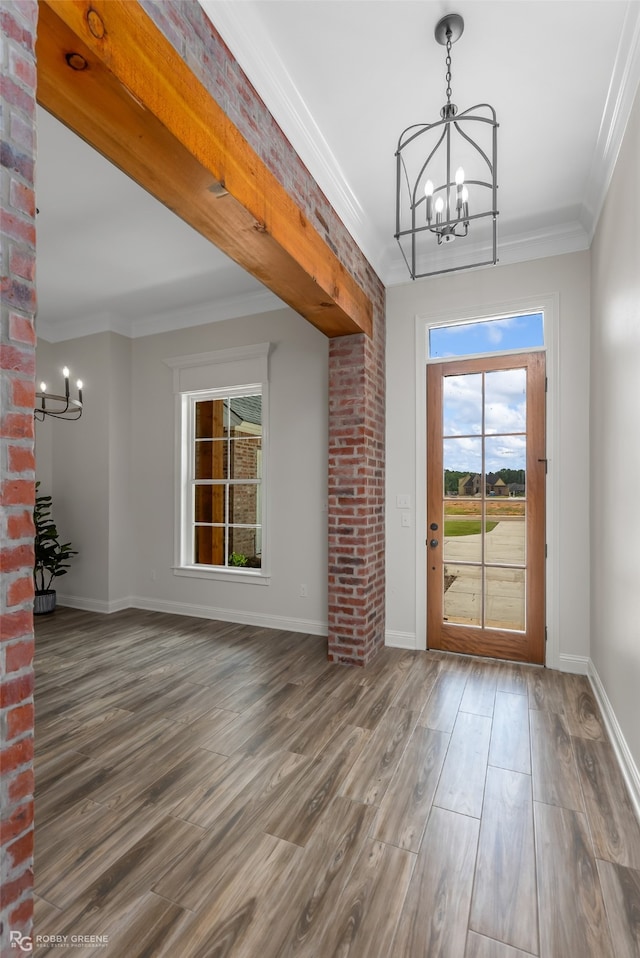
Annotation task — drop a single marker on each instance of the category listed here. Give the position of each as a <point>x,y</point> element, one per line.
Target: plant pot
<point>44,602</point>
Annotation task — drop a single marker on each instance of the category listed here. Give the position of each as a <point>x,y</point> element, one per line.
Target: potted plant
<point>51,556</point>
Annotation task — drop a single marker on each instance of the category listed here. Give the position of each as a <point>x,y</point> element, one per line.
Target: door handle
<point>433,543</point>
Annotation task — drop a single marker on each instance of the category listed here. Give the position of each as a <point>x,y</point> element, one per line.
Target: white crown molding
<point>234,354</point>
<point>625,80</point>
<point>216,311</point>
<point>518,248</point>
<point>262,64</point>
<point>60,332</point>
<point>233,307</point>
<point>556,240</point>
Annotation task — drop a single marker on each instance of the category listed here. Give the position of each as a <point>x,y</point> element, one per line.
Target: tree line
<point>453,476</point>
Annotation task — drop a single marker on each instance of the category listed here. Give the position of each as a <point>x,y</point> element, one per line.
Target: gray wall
<point>112,473</point>
<point>615,441</point>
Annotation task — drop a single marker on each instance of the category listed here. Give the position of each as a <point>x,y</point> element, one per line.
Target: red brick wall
<point>245,497</point>
<point>356,499</point>
<point>356,376</point>
<point>17,370</point>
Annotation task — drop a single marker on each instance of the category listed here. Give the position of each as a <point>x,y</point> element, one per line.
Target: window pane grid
<point>225,479</point>
<point>483,574</point>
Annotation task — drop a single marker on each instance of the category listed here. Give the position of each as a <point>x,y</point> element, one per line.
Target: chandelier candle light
<point>59,407</point>
<point>433,208</point>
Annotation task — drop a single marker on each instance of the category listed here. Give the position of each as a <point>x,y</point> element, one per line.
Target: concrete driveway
<point>504,587</point>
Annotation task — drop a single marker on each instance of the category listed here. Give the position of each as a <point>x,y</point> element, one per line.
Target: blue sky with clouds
<point>504,420</point>
<point>503,402</point>
<point>487,336</point>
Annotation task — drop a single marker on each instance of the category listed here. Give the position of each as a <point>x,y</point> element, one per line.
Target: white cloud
<point>505,404</point>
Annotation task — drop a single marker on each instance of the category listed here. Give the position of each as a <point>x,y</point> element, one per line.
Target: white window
<point>221,453</point>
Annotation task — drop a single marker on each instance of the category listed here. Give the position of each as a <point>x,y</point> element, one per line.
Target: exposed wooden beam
<point>107,72</point>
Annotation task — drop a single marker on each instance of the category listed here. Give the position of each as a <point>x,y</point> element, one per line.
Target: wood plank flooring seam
<point>507,950</point>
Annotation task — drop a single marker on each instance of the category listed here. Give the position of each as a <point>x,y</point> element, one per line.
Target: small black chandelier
<point>58,406</point>
<point>434,207</point>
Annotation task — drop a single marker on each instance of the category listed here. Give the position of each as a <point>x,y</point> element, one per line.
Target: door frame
<point>549,305</point>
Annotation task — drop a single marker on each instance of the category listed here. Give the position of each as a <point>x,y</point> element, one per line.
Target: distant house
<point>469,485</point>
<point>496,486</point>
<point>516,488</point>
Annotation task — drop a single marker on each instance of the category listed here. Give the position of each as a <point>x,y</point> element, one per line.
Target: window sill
<point>247,577</point>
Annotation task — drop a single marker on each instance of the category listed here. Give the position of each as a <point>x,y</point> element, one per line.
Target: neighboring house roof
<point>246,409</point>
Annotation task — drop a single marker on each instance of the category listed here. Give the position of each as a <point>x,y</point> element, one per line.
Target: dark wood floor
<point>206,789</point>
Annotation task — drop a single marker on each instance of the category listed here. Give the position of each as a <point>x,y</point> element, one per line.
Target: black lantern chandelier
<point>58,406</point>
<point>446,186</point>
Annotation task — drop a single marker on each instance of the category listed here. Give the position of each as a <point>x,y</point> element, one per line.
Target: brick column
<point>17,468</point>
<point>357,495</point>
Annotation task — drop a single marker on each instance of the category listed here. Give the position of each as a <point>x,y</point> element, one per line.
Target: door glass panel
<point>462,405</point>
<point>505,401</point>
<point>504,456</point>
<point>505,538</point>
<point>462,530</point>
<point>463,594</point>
<point>462,467</point>
<point>505,598</point>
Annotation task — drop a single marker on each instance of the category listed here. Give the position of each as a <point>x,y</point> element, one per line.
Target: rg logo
<point>18,940</point>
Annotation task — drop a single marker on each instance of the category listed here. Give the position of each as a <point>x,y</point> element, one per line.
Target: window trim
<point>225,372</point>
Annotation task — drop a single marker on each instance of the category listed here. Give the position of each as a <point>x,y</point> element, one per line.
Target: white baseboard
<point>400,640</point>
<point>94,605</point>
<point>577,664</point>
<point>630,771</point>
<point>259,619</point>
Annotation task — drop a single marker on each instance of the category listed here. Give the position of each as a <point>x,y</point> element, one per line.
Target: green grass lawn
<point>466,527</point>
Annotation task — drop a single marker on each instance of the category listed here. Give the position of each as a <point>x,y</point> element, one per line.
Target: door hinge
<point>546,633</point>
<point>546,384</point>
<point>546,550</point>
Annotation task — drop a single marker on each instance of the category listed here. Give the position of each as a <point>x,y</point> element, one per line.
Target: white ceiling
<point>344,78</point>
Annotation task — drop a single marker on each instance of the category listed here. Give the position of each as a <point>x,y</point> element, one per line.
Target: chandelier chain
<point>448,64</point>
